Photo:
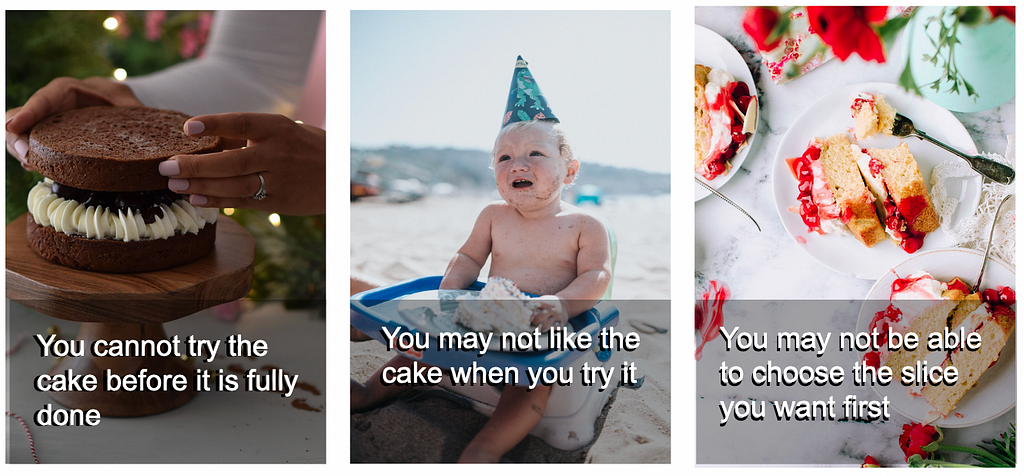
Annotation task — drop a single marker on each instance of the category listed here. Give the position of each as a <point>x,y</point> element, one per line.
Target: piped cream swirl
<point>72,218</point>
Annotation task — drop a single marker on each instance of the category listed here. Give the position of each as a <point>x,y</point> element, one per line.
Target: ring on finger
<point>262,192</point>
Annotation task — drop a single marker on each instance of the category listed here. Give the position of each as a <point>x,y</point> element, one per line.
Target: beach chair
<point>568,421</point>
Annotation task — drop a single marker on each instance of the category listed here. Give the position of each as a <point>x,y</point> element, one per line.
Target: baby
<point>544,245</point>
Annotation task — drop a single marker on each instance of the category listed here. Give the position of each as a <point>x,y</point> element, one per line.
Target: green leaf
<point>907,79</point>
<point>891,29</point>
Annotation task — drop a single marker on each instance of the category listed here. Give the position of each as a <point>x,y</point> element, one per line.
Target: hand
<point>291,157</point>
<point>549,312</point>
<point>61,94</point>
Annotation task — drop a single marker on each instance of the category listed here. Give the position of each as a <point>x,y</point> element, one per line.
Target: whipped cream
<point>828,210</point>
<point>721,119</point>
<point>72,218</point>
<point>921,294</point>
<point>500,307</point>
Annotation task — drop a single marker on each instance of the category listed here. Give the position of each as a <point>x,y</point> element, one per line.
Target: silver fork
<point>1004,174</point>
<point>730,202</point>
<point>988,247</point>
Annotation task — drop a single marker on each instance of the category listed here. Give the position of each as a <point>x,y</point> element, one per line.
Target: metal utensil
<point>995,219</point>
<point>904,127</point>
<point>647,328</point>
<point>730,202</point>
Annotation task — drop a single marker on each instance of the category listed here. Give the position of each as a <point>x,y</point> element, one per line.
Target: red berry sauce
<point>738,94</point>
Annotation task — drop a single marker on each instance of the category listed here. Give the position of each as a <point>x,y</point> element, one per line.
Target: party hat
<point>525,101</point>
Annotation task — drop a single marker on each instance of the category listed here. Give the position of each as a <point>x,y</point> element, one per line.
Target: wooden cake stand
<point>128,306</point>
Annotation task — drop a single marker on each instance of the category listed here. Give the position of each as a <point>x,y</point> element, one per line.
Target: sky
<point>441,78</point>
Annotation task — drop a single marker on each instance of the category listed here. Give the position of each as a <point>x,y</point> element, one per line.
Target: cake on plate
<point>832,194</point>
<point>871,115</point>
<point>924,305</point>
<point>103,205</point>
<point>725,114</point>
<point>901,197</point>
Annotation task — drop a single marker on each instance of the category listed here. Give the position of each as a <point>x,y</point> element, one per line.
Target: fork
<point>1004,174</point>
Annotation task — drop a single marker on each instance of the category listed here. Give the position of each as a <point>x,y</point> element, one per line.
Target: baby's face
<point>529,170</point>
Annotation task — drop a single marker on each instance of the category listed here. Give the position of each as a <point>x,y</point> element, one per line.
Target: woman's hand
<point>61,94</point>
<point>291,158</point>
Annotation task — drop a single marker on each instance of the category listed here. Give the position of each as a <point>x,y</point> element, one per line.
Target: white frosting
<point>72,218</point>
<point>822,196</point>
<point>500,307</point>
<point>834,226</point>
<point>927,288</point>
<point>918,297</point>
<point>721,119</point>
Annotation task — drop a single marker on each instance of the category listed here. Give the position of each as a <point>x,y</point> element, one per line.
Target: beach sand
<point>394,242</point>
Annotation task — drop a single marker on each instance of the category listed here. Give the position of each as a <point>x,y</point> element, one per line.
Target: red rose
<point>870,462</point>
<point>759,22</point>
<point>1008,12</point>
<point>849,30</point>
<point>914,437</point>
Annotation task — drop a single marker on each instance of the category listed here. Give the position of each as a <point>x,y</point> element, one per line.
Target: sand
<point>393,242</point>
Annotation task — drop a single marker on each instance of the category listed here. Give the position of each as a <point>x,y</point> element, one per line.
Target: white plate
<point>830,115</point>
<point>716,52</point>
<point>995,392</point>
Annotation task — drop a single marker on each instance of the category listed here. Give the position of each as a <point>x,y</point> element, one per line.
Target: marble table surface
<point>769,264</point>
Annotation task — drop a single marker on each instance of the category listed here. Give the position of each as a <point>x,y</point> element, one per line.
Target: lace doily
<point>972,232</point>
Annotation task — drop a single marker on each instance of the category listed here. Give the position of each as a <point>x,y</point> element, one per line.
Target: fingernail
<point>21,147</point>
<point>194,127</point>
<point>197,199</point>
<point>179,185</point>
<point>168,168</point>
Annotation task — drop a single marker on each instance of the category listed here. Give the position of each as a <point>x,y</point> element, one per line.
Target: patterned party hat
<point>525,101</point>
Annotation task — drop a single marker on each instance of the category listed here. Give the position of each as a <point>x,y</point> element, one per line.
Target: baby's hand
<point>549,312</point>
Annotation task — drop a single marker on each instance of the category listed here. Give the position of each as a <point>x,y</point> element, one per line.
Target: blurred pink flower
<point>122,24</point>
<point>205,20</point>
<point>189,41</point>
<point>154,21</point>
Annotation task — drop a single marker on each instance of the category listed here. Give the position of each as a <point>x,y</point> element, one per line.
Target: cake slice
<point>833,196</point>
<point>725,113</point>
<point>993,321</point>
<point>702,121</point>
<point>924,305</point>
<point>871,115</point>
<point>902,199</point>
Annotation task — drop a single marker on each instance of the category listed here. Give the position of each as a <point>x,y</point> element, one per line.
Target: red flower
<point>849,30</point>
<point>759,22</point>
<point>540,115</point>
<point>870,462</point>
<point>914,437</point>
<point>1008,12</point>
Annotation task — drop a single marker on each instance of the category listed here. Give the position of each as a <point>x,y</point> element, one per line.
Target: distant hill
<point>468,170</point>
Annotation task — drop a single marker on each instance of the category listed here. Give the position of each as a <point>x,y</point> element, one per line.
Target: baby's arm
<point>593,273</point>
<point>465,267</point>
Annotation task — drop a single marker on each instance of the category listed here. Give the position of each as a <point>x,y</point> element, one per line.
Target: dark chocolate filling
<point>145,203</point>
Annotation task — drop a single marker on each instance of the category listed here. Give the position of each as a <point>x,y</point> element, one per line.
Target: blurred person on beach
<point>259,72</point>
<point>544,245</point>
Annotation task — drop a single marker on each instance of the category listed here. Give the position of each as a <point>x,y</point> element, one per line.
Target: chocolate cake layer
<point>112,149</point>
<point>115,256</point>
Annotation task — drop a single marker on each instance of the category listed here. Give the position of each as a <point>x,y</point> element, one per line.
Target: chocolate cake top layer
<point>112,149</point>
